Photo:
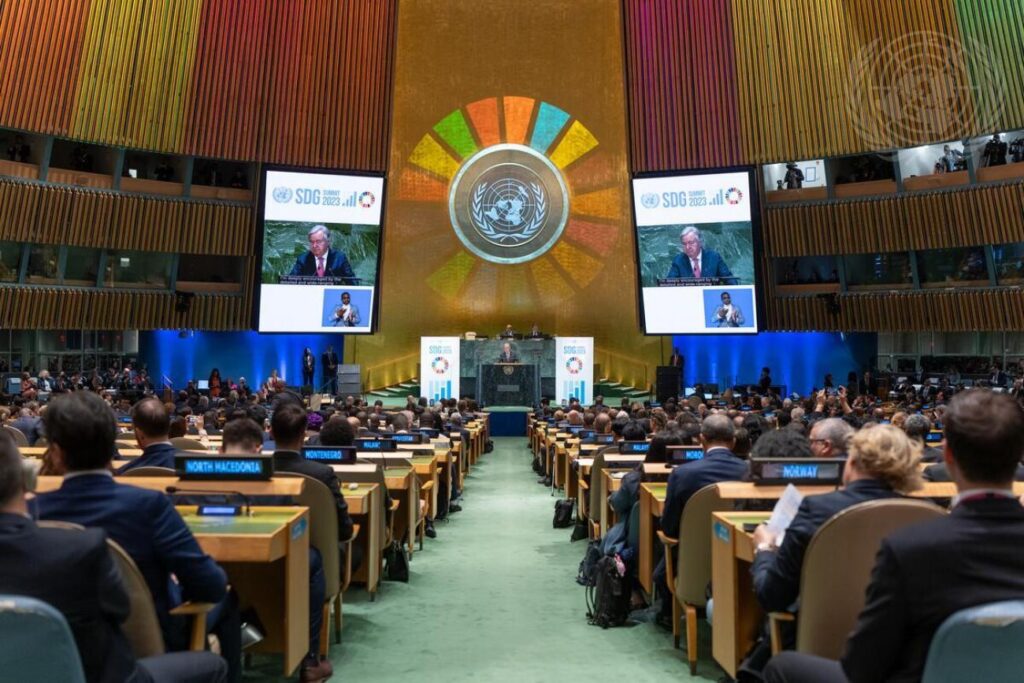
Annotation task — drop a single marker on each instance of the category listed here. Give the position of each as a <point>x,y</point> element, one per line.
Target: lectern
<point>508,384</point>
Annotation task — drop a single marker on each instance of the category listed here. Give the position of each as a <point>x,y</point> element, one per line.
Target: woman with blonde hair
<point>882,462</point>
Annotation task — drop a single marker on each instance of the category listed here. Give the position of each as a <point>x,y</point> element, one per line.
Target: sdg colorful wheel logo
<point>366,200</point>
<point>439,365</point>
<point>523,183</point>
<point>574,365</point>
<point>733,196</point>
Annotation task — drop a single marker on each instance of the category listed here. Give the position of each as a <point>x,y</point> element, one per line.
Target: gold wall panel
<point>468,75</point>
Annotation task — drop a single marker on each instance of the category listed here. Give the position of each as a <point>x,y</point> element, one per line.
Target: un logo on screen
<point>649,200</point>
<point>508,203</point>
<point>282,195</point>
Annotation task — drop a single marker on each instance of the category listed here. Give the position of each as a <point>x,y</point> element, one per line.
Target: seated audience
<point>928,571</point>
<point>81,429</point>
<point>74,572</point>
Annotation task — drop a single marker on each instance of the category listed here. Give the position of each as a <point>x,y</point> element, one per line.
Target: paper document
<point>784,512</point>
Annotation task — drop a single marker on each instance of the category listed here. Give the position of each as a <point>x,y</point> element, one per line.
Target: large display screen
<point>696,240</point>
<point>321,252</point>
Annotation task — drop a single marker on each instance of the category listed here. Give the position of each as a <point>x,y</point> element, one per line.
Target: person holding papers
<point>882,463</point>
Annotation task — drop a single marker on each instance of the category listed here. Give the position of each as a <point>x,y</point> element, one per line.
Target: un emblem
<point>508,204</point>
<point>282,195</point>
<point>649,200</point>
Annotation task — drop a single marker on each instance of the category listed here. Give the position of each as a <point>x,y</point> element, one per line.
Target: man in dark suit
<point>321,260</point>
<point>151,425</point>
<point>288,428</point>
<point>917,428</point>
<point>245,437</point>
<point>73,571</point>
<point>718,436</point>
<point>676,359</point>
<point>698,262</point>
<point>997,377</point>
<point>329,362</point>
<point>81,430</point>
<point>507,354</point>
<point>970,557</point>
<point>28,424</point>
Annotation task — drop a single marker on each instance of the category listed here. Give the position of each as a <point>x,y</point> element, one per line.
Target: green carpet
<point>493,598</point>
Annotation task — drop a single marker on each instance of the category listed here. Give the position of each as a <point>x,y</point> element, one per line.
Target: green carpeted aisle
<point>493,598</point>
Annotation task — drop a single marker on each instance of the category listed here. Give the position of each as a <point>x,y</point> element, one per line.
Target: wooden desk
<point>276,486</point>
<point>367,510</point>
<point>266,557</point>
<point>404,487</point>
<point>652,502</point>
<point>738,616</point>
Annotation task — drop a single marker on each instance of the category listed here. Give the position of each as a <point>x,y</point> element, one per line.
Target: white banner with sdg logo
<point>574,369</point>
<point>439,367</point>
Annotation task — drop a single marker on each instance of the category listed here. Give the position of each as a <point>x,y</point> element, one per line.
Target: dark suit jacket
<point>290,461</point>
<point>328,359</point>
<point>29,426</point>
<point>925,573</point>
<point>156,455</point>
<point>711,265</point>
<point>940,472</point>
<point>74,572</point>
<point>148,527</point>
<point>777,574</point>
<point>931,454</point>
<point>335,264</point>
<point>512,357</point>
<point>720,464</point>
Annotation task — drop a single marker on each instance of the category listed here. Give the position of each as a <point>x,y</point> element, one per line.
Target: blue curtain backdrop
<point>235,354</point>
<point>798,360</point>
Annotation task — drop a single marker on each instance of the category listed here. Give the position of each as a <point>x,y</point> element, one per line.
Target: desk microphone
<point>174,490</point>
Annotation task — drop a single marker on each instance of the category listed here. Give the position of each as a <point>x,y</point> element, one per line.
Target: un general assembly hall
<point>524,341</point>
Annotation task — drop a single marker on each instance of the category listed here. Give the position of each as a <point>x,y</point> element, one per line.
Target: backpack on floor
<point>608,599</point>
<point>396,562</point>
<point>587,573</point>
<point>563,514</point>
<point>489,446</point>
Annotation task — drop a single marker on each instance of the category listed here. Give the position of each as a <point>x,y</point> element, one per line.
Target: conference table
<point>266,557</point>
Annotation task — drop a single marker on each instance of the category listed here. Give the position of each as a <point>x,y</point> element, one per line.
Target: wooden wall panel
<point>52,308</point>
<point>815,78</point>
<point>31,212</point>
<point>932,220</point>
<point>302,82</point>
<point>947,310</point>
<point>682,84</point>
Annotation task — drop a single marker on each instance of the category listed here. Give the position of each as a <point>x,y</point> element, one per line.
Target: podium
<point>508,384</point>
